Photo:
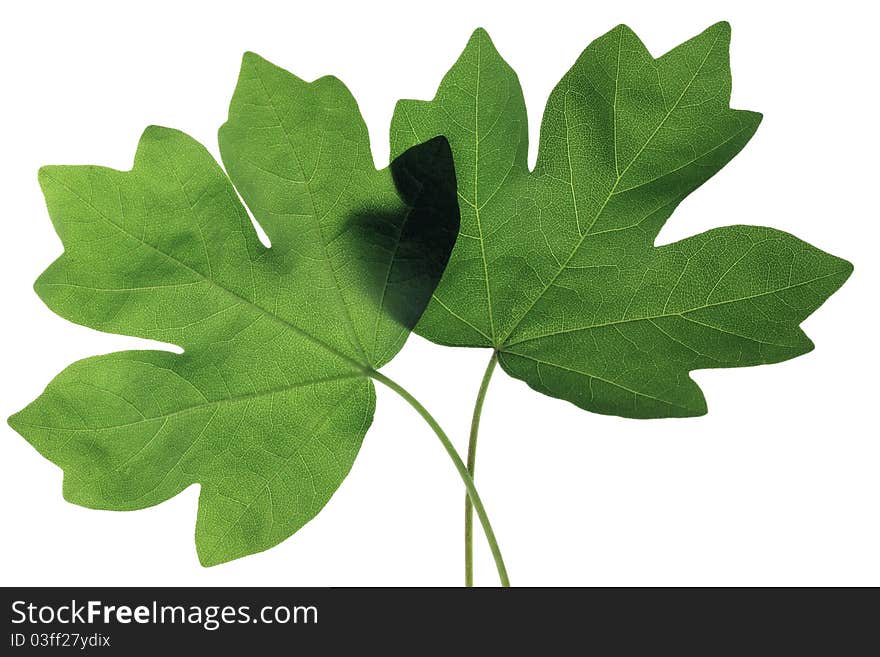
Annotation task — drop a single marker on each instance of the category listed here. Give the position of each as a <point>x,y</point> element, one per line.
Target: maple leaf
<point>556,269</point>
<point>268,404</point>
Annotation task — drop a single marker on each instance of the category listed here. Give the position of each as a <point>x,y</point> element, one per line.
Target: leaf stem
<point>471,466</point>
<point>473,495</point>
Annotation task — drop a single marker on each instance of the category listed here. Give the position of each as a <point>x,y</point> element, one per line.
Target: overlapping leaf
<point>267,406</point>
<point>556,268</point>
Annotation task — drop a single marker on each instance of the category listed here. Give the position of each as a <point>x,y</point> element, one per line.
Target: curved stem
<point>473,495</point>
<point>471,466</point>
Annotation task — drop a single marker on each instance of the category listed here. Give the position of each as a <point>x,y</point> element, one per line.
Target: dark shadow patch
<point>421,239</point>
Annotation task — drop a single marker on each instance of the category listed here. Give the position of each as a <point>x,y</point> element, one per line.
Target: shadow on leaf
<point>421,239</point>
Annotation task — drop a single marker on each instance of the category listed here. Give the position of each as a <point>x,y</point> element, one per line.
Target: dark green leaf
<point>557,269</point>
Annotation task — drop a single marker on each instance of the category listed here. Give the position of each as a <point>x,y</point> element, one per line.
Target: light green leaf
<point>268,404</point>
<point>556,268</point>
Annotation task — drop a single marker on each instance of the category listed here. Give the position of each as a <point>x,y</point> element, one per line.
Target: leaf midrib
<point>355,339</point>
<point>476,204</point>
<point>232,399</point>
<point>683,314</point>
<point>567,368</point>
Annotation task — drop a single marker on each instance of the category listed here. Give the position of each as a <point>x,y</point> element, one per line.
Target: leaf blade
<point>133,429</point>
<point>267,406</point>
<point>570,267</point>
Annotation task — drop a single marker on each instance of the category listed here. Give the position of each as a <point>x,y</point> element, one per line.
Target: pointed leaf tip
<point>250,58</point>
<point>480,33</point>
<point>722,26</point>
<point>625,29</point>
<point>480,36</point>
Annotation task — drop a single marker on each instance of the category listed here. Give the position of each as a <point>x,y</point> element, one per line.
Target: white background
<point>778,485</point>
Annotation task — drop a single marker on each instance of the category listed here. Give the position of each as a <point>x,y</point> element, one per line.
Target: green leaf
<point>268,404</point>
<point>557,269</point>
